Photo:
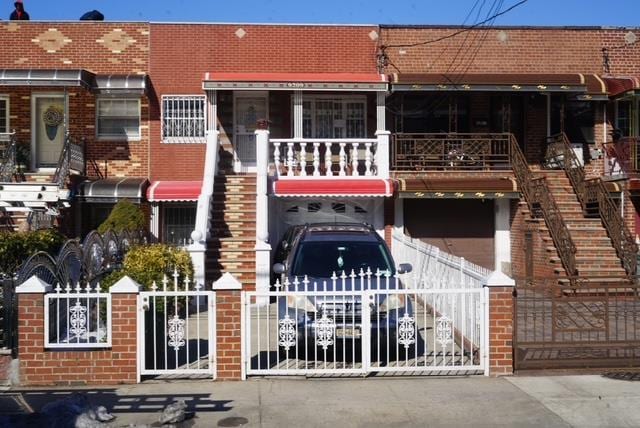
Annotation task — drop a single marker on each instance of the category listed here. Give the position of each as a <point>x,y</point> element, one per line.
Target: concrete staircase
<point>595,254</point>
<point>233,229</point>
<point>18,199</point>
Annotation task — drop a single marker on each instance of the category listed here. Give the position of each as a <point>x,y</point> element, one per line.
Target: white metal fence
<point>433,268</point>
<point>362,323</point>
<point>176,330</point>
<point>77,317</point>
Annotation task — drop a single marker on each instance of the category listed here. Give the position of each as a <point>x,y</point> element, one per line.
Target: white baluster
<point>343,159</point>
<point>276,158</point>
<point>367,159</point>
<point>316,159</point>
<point>354,158</point>
<point>327,159</point>
<point>303,159</point>
<point>290,159</point>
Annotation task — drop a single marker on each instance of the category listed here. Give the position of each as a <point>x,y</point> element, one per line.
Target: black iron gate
<point>594,323</point>
<point>8,315</point>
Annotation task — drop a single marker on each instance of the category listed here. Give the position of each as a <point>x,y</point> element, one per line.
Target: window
<point>4,115</point>
<point>334,117</point>
<point>119,118</point>
<point>183,119</point>
<point>179,222</point>
<point>624,116</point>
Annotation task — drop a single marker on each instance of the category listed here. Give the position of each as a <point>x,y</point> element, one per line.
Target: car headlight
<point>392,302</point>
<point>300,303</point>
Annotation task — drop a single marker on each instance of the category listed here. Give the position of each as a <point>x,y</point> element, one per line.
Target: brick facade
<point>228,331</point>
<point>39,366</point>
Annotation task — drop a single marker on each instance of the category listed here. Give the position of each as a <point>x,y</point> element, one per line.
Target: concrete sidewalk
<point>578,401</point>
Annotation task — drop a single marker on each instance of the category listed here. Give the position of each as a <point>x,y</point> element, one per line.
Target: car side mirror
<point>278,268</point>
<point>405,268</point>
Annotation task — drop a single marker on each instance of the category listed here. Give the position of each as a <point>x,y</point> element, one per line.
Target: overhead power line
<point>455,33</point>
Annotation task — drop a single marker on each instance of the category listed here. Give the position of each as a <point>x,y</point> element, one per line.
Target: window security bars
<point>178,224</point>
<point>184,119</point>
<point>77,317</point>
<point>360,323</point>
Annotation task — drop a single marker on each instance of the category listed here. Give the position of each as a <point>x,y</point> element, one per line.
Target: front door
<point>248,110</point>
<point>48,126</point>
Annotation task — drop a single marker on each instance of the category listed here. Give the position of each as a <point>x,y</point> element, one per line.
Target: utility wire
<point>455,33</point>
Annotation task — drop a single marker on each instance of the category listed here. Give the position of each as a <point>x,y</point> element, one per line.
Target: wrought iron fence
<point>86,262</point>
<point>451,152</point>
<point>594,323</point>
<point>77,317</point>
<point>8,161</point>
<point>72,158</point>
<point>621,157</point>
<point>364,322</point>
<point>593,195</point>
<point>8,314</point>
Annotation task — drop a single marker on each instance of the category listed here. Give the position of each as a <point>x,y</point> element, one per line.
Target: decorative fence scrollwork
<point>86,262</point>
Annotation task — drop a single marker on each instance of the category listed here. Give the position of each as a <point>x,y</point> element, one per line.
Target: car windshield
<point>321,259</point>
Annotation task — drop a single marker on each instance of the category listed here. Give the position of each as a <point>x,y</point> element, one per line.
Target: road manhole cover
<point>631,376</point>
<point>234,421</point>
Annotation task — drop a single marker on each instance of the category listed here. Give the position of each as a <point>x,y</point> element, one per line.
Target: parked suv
<point>323,258</point>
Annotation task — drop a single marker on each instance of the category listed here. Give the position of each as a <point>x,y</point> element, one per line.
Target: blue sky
<point>534,12</point>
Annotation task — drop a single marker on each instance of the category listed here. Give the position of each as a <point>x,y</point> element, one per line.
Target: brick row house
<point>500,146</point>
<point>363,124</point>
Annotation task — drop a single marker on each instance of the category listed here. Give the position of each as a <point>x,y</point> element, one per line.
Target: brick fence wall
<point>40,366</point>
<point>501,311</point>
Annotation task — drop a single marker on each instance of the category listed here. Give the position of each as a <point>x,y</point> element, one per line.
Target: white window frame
<point>108,137</point>
<point>344,99</point>
<point>185,139</point>
<point>5,98</point>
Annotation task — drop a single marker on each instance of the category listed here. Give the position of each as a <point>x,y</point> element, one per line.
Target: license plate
<point>348,332</point>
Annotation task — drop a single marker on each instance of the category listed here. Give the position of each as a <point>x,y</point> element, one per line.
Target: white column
<point>155,221</point>
<point>262,248</point>
<point>381,112</point>
<point>382,154</point>
<point>297,114</point>
<point>502,244</point>
<point>398,220</point>
<point>201,231</point>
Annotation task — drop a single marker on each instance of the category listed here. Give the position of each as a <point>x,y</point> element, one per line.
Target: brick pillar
<point>124,333</point>
<point>500,340</point>
<point>31,332</point>
<point>228,328</point>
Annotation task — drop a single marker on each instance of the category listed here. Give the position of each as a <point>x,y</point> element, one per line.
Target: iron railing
<point>8,162</point>
<point>592,324</point>
<point>451,152</point>
<point>595,199</point>
<point>621,157</point>
<point>541,203</point>
<point>8,314</point>
<point>72,158</point>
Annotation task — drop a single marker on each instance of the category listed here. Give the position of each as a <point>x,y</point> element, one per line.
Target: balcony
<point>451,152</point>
<point>348,158</point>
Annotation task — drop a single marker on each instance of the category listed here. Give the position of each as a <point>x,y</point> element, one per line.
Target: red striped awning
<point>174,191</point>
<point>374,187</point>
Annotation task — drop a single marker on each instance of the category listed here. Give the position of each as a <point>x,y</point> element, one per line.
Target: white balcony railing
<point>338,158</point>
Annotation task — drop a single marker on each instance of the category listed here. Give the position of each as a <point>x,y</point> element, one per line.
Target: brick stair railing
<point>233,229</point>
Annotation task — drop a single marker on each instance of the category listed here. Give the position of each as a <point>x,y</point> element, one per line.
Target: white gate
<point>176,330</point>
<point>363,323</point>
